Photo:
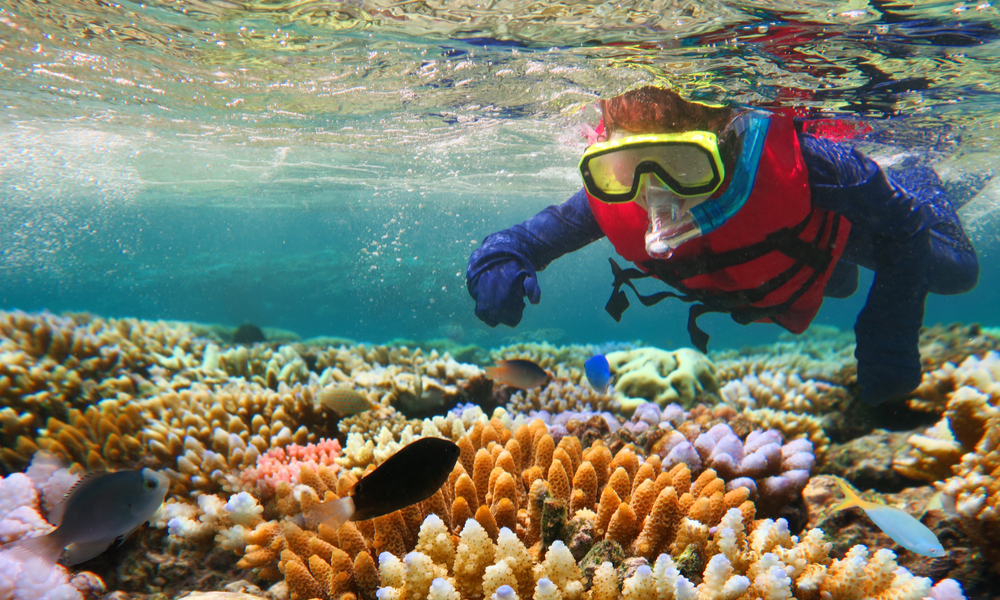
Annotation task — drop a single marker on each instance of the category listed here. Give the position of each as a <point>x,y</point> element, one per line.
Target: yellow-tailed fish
<point>520,373</point>
<point>100,509</point>
<point>896,523</point>
<point>344,400</point>
<point>412,474</point>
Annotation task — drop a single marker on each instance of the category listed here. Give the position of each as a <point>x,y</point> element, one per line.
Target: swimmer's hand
<point>498,282</point>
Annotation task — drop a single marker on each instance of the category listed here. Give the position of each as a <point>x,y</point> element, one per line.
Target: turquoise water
<point>327,168</point>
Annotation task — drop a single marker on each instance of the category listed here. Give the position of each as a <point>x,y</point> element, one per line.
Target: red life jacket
<point>768,263</point>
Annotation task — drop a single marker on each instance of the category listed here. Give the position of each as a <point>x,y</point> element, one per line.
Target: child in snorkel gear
<point>741,213</point>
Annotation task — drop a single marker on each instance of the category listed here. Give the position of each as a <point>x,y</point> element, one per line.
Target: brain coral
<point>683,377</point>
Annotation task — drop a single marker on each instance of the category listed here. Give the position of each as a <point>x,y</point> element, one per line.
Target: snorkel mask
<point>671,167</point>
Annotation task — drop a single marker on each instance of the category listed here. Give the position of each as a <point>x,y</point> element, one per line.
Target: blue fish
<point>598,372</point>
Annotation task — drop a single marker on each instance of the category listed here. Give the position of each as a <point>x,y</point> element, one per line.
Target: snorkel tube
<point>667,231</point>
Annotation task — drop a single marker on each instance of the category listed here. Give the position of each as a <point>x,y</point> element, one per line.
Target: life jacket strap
<point>619,301</point>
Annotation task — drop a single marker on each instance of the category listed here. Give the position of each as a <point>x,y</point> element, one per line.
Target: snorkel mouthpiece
<point>668,228</point>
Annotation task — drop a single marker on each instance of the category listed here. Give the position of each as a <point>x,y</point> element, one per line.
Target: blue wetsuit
<point>903,227</point>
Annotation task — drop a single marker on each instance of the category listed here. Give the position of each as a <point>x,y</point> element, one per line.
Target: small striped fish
<point>344,400</point>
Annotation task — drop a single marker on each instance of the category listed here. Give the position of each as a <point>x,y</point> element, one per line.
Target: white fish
<point>896,523</point>
<point>97,511</point>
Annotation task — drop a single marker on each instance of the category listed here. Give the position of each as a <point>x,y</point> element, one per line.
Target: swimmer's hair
<point>659,110</point>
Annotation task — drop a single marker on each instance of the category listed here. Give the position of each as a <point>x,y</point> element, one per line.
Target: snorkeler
<point>742,213</point>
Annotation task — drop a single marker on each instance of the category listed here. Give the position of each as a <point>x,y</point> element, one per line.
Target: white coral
<point>243,509</point>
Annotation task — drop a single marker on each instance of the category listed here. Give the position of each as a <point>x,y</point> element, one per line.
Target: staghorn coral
<point>684,377</point>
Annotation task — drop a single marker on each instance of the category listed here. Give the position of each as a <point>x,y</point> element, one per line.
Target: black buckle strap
<point>619,301</point>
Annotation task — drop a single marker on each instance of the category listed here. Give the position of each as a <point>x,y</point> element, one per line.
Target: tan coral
<point>935,452</point>
<point>683,377</point>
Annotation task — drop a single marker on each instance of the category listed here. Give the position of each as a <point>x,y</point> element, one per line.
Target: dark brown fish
<point>519,372</point>
<point>413,474</point>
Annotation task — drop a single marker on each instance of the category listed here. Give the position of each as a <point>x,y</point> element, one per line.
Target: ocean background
<point>326,168</point>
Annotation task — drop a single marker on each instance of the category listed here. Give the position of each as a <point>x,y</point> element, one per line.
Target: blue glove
<point>499,289</point>
<point>502,271</point>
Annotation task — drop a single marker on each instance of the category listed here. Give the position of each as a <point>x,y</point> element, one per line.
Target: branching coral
<point>286,464</point>
<point>779,391</point>
<point>53,367</point>
<point>942,344</point>
<point>975,489</point>
<point>967,408</point>
<point>400,376</point>
<point>561,395</point>
<point>103,435</point>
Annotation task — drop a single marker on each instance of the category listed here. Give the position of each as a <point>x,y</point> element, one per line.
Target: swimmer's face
<point>640,199</point>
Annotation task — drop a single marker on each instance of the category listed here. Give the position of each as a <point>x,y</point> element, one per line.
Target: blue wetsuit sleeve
<point>895,227</point>
<point>503,269</point>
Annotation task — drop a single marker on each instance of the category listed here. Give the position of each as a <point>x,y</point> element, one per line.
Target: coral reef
<point>773,471</point>
<point>942,344</point>
<point>779,391</point>
<point>560,396</point>
<point>655,490</point>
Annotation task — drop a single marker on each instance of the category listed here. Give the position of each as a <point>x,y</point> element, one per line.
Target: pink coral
<point>284,464</point>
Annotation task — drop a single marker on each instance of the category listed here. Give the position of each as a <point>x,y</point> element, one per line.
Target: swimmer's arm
<point>845,181</point>
<point>553,232</point>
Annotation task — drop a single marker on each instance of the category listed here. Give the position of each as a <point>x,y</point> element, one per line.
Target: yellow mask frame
<point>688,164</point>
